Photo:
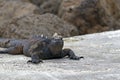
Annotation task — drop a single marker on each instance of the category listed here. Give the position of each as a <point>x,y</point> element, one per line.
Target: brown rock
<point>10,9</point>
<point>111,10</point>
<point>66,5</point>
<point>47,6</point>
<point>91,15</point>
<point>29,25</point>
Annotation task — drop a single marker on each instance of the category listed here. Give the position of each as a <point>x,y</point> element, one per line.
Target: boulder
<point>47,6</point>
<point>29,25</point>
<point>66,5</point>
<point>91,16</point>
<point>10,9</point>
<point>111,14</point>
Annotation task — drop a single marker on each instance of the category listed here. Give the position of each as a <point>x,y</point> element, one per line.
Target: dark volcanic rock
<point>29,25</point>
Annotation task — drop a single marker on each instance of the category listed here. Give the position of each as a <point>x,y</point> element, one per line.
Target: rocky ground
<point>102,61</point>
<point>21,18</point>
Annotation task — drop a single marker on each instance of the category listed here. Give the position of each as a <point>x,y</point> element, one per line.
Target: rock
<point>38,2</point>
<point>10,9</point>
<point>91,16</point>
<point>27,26</point>
<point>111,14</point>
<point>47,6</point>
<point>66,5</point>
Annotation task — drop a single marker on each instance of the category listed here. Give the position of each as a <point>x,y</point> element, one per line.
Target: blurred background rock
<point>24,18</point>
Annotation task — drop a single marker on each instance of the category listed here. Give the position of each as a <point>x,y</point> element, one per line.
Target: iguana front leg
<point>35,50</point>
<point>35,59</point>
<point>70,54</point>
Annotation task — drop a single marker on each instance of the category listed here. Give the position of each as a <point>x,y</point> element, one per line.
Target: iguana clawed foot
<point>35,61</point>
<point>76,58</point>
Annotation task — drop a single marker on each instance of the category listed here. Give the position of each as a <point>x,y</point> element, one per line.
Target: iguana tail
<point>3,50</point>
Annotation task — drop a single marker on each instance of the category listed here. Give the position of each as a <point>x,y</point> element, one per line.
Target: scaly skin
<point>37,48</point>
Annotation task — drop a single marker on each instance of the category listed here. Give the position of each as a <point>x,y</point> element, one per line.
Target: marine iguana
<point>38,48</point>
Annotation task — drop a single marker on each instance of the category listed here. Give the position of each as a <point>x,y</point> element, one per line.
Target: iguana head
<point>56,44</point>
<point>57,40</point>
<point>56,36</point>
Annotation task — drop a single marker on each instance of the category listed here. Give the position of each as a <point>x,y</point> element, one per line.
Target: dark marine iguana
<point>38,48</point>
